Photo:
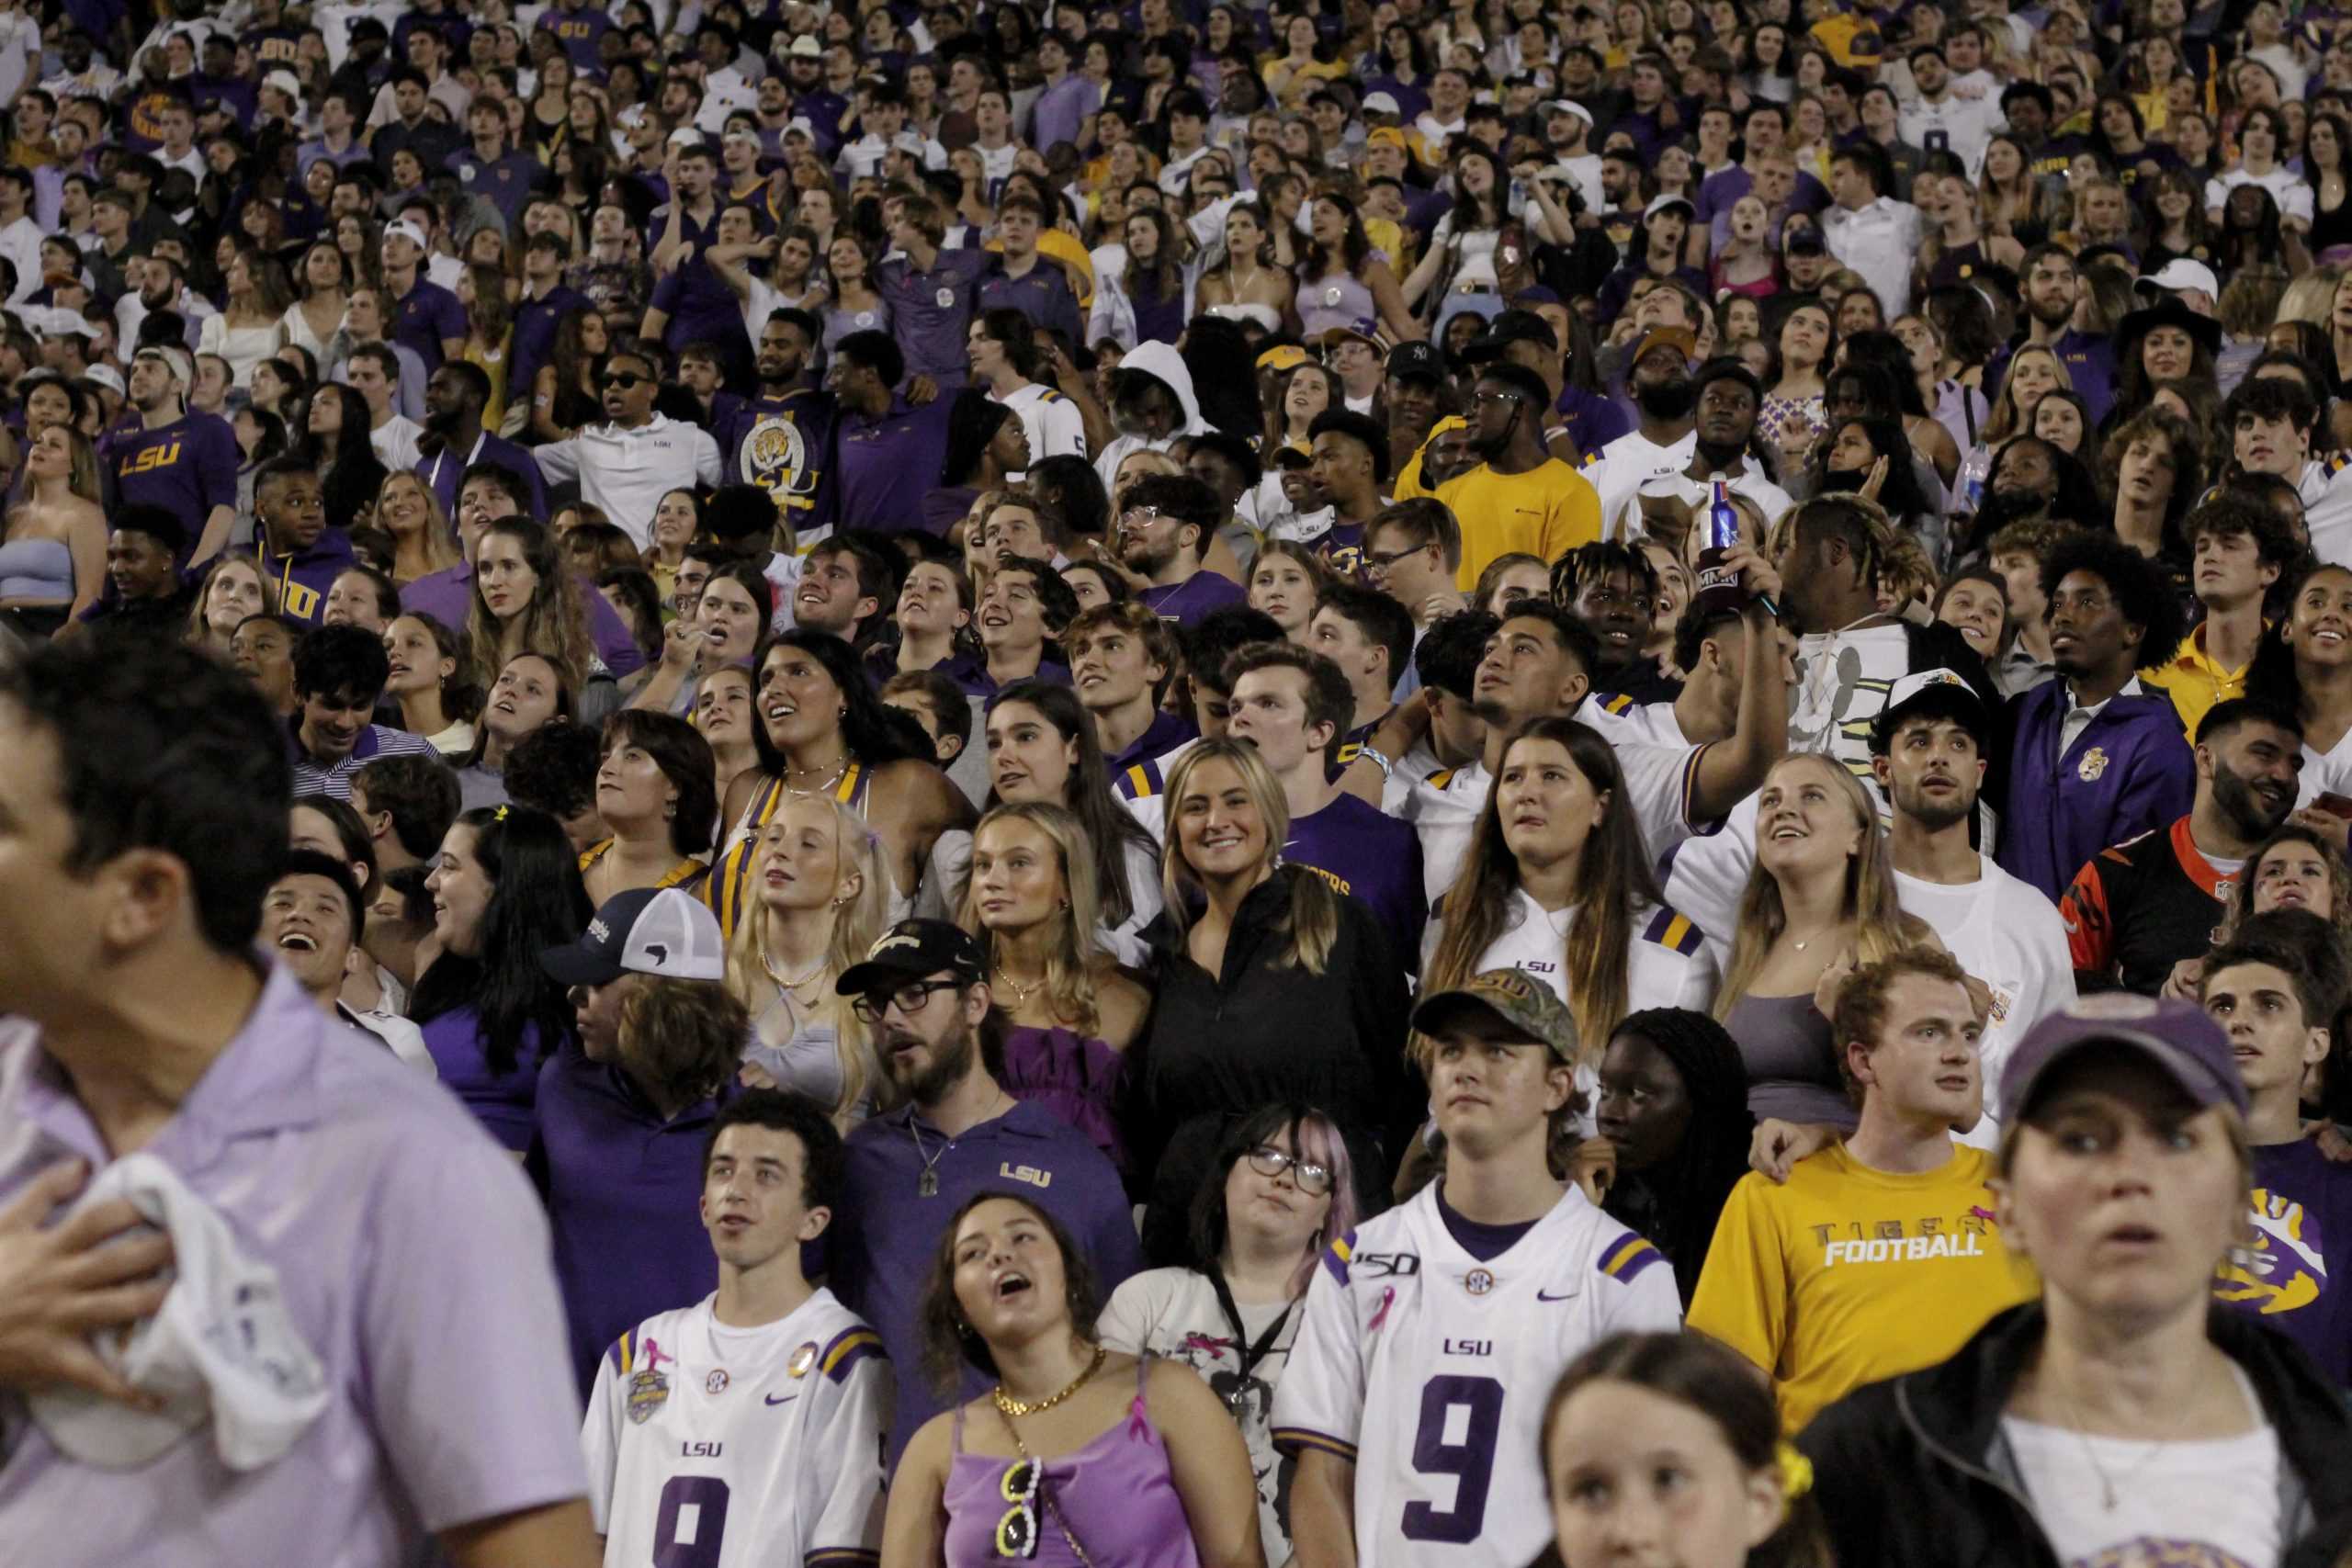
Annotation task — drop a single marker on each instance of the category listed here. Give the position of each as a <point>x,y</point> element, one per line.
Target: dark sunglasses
<point>625,379</point>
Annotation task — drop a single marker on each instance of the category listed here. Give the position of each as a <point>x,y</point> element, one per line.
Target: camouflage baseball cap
<point>1514,996</point>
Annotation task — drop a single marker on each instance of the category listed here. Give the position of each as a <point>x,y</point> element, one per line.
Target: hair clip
<point>1796,1471</point>
<point>500,816</point>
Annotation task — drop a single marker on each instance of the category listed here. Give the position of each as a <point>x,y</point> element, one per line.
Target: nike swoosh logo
<point>787,1399</point>
<point>1564,1295</point>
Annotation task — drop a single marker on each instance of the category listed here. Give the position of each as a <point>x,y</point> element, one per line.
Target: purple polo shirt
<point>187,467</point>
<point>889,465</point>
<point>1185,602</point>
<point>1363,852</point>
<point>500,1101</point>
<point>304,577</point>
<point>931,312</point>
<point>619,1184</point>
<point>412,1259</point>
<point>447,594</point>
<point>534,345</point>
<point>884,1233</point>
<point>426,315</point>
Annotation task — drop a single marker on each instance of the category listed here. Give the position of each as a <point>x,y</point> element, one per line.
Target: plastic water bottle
<point>1969,491</point>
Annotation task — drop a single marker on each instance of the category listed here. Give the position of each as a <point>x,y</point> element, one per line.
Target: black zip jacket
<point>1916,1471</point>
<point>1220,1046</point>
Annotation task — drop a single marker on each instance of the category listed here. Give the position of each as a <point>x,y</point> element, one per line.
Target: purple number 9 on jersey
<point>1470,1461</point>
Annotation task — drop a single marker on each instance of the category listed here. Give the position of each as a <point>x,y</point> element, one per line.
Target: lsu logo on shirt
<point>775,458</point>
<point>147,459</point>
<point>2284,1270</point>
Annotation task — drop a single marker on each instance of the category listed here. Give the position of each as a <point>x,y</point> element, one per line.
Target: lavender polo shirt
<point>884,1234</point>
<point>414,1260</point>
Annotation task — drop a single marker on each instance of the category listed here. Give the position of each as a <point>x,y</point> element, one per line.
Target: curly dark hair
<point>2140,588</point>
<point>950,1343</point>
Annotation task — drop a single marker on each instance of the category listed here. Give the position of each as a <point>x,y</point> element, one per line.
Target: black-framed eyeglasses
<point>625,379</point>
<point>1016,1533</point>
<point>911,999</point>
<point>1313,1179</point>
<point>1381,560</point>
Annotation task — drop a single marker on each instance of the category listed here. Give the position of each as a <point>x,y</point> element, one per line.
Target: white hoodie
<point>1161,362</point>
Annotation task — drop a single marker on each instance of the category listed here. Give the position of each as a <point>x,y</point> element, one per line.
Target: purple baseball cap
<point>2176,1036</point>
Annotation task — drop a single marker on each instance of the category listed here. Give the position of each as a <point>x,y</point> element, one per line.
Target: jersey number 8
<point>1470,1461</point>
<point>706,1495</point>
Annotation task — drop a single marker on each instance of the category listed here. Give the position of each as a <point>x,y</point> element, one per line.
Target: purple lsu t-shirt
<point>1185,602</point>
<point>885,1232</point>
<point>187,467</point>
<point>2300,1280</point>
<point>447,594</point>
<point>1363,852</point>
<point>412,1259</point>
<point>620,1184</point>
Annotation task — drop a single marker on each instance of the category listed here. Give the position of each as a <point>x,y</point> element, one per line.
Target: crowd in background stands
<point>1383,785</point>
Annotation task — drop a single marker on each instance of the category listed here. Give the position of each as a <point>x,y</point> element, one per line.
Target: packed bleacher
<point>1510,785</point>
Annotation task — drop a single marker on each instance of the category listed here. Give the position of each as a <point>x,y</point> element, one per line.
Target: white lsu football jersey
<point>1428,1370</point>
<point>711,1447</point>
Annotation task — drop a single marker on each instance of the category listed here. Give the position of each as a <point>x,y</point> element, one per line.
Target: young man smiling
<point>339,675</point>
<point>792,1459</point>
<point>2271,987</point>
<point>1440,1326</point>
<point>1878,1255</point>
<point>312,919</point>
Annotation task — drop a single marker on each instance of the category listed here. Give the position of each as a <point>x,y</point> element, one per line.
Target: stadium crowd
<point>1173,785</point>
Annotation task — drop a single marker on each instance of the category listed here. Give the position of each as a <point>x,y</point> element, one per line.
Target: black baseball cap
<point>1414,360</point>
<point>915,949</point>
<point>1510,327</point>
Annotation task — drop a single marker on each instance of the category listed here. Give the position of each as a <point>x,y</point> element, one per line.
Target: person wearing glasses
<point>627,465</point>
<point>1518,497</point>
<point>1284,1193</point>
<point>1077,1455</point>
<point>923,995</point>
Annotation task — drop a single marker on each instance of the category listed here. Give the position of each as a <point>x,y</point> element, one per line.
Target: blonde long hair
<point>1071,967</point>
<point>1882,928</point>
<point>858,922</point>
<point>1312,922</point>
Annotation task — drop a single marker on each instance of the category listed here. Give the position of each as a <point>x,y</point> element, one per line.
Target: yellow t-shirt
<point>1847,1275</point>
<point>1546,512</point>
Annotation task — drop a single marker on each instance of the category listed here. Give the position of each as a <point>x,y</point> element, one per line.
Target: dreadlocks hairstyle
<point>1679,1199</point>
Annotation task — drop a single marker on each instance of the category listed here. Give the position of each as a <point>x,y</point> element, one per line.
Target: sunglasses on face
<point>625,381</point>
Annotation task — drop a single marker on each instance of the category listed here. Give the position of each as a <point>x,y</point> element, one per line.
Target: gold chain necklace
<point>1021,993</point>
<point>1011,1406</point>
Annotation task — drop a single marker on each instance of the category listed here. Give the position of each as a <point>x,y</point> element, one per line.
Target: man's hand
<point>921,390</point>
<point>60,1285</point>
<point>1778,1146</point>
